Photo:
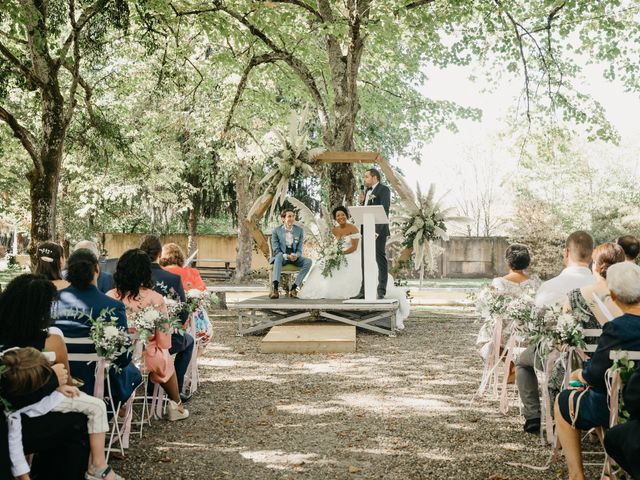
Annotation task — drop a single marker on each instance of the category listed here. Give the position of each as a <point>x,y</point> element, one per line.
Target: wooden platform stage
<point>261,313</point>
<point>310,338</point>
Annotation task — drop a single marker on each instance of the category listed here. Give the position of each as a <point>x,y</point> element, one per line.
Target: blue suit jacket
<point>166,283</point>
<point>71,314</point>
<point>279,244</point>
<point>105,280</point>
<point>622,333</point>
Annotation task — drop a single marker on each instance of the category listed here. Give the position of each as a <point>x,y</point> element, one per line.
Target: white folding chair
<point>116,433</point>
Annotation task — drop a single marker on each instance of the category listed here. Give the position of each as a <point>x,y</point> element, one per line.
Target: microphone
<point>361,188</point>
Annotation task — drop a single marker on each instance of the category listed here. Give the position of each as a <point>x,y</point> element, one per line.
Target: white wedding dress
<point>345,282</point>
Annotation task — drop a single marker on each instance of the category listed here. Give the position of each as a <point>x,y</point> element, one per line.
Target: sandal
<point>102,474</point>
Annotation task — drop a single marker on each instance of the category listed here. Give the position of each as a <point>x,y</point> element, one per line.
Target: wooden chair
<point>288,271</point>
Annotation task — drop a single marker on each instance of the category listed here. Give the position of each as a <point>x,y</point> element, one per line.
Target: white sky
<point>447,160</point>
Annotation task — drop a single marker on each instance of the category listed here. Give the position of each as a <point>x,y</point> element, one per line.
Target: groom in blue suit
<point>286,247</point>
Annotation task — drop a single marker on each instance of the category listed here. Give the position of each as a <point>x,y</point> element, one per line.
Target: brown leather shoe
<point>274,294</point>
<point>293,293</point>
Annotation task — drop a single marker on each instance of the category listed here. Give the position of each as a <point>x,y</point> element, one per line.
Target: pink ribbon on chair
<point>510,347</point>
<point>554,357</point>
<point>157,402</point>
<point>191,378</point>
<point>489,375</point>
<point>126,426</point>
<point>98,387</point>
<point>614,385</point>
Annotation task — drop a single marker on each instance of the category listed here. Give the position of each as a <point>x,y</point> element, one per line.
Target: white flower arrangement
<point>146,321</point>
<point>110,340</point>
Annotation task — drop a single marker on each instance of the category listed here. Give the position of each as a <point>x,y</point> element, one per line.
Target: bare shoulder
<point>353,229</point>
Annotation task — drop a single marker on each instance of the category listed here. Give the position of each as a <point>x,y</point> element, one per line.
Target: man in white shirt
<point>576,274</point>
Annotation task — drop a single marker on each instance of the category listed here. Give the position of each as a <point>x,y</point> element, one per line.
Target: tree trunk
<point>192,242</point>
<point>244,250</point>
<point>43,193</point>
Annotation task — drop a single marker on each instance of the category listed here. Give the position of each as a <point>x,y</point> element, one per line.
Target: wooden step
<point>310,338</point>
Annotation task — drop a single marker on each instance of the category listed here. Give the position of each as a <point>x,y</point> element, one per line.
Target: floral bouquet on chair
<point>146,321</point>
<point>110,340</point>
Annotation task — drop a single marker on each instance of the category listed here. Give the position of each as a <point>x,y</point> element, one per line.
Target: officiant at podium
<point>376,194</point>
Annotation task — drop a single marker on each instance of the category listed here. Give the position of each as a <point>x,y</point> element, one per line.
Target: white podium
<point>368,217</point>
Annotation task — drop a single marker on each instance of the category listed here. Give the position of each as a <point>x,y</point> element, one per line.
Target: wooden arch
<point>328,157</point>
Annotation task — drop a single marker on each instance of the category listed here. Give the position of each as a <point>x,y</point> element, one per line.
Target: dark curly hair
<point>339,209</point>
<point>133,271</point>
<point>517,256</point>
<point>49,260</point>
<point>152,246</point>
<point>81,268</point>
<point>25,310</point>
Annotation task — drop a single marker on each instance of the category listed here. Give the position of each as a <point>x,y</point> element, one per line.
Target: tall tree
<point>342,57</point>
<point>42,46</point>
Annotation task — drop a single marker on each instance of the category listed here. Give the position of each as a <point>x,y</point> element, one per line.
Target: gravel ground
<point>399,408</point>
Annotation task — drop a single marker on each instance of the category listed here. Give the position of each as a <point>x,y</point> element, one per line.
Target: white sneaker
<point>174,414</point>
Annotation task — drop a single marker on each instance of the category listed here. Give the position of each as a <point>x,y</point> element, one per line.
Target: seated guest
<point>168,284</point>
<point>25,316</point>
<point>631,247</point>
<point>172,260</point>
<point>105,280</point>
<point>513,283</point>
<point>133,288</point>
<point>580,409</point>
<point>581,299</point>
<point>26,370</point>
<point>622,442</point>
<point>77,305</point>
<point>49,261</point>
<point>576,274</point>
<point>60,439</point>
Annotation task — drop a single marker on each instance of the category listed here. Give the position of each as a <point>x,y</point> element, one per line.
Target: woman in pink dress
<point>133,287</point>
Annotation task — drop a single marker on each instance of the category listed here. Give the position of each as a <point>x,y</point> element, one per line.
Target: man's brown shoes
<point>293,293</point>
<point>274,293</point>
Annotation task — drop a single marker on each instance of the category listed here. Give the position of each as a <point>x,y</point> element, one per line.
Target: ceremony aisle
<point>397,409</point>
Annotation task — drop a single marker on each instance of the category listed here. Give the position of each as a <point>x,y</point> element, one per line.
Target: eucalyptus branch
<point>27,139</point>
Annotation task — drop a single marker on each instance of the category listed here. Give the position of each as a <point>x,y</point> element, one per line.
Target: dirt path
<point>397,409</point>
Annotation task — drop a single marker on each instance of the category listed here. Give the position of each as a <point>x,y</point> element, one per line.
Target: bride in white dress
<point>345,281</point>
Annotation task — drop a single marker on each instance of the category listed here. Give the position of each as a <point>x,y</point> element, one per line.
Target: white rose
<point>151,315</point>
<point>170,302</point>
<point>111,332</point>
<point>194,293</point>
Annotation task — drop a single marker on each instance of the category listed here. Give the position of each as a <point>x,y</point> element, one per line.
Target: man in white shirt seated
<point>576,274</point>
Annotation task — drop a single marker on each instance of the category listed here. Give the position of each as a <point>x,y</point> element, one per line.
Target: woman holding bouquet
<point>346,280</point>
<point>133,287</point>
